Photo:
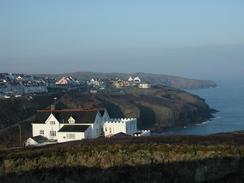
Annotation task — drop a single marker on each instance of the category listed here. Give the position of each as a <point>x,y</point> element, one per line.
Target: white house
<point>130,79</point>
<point>144,85</point>
<point>137,80</point>
<point>124,125</point>
<point>77,124</point>
<point>69,125</point>
<point>67,81</point>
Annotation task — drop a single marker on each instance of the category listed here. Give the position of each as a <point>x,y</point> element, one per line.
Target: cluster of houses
<point>136,81</point>
<point>19,84</point>
<point>58,126</point>
<point>96,84</point>
<point>16,85</point>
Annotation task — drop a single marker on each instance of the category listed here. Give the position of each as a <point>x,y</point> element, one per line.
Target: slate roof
<point>63,115</point>
<point>74,128</point>
<point>121,135</point>
<point>39,139</point>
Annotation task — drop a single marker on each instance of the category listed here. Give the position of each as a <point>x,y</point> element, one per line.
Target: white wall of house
<point>97,129</point>
<point>49,129</point>
<point>70,136</point>
<point>144,85</point>
<point>127,125</point>
<point>73,136</point>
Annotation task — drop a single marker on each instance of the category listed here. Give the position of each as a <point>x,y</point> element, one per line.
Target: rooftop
<point>80,115</point>
<point>74,128</point>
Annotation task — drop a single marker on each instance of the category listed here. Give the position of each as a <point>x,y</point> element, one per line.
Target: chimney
<point>53,106</point>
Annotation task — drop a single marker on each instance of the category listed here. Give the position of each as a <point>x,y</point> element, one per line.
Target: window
<point>110,130</point>
<point>106,129</point>
<point>70,136</point>
<point>53,133</point>
<point>41,132</point>
<point>52,122</point>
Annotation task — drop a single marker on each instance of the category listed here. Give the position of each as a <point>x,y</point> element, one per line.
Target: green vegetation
<point>155,108</point>
<point>164,159</point>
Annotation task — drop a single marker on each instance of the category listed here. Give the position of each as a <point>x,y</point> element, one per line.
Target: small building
<point>137,80</point>
<point>121,84</point>
<point>124,125</point>
<point>67,81</point>
<point>93,91</point>
<point>130,79</point>
<point>38,141</point>
<point>144,85</point>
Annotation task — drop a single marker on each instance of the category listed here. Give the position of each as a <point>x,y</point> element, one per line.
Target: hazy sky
<point>192,38</point>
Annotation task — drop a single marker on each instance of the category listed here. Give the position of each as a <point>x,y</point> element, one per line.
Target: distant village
<point>17,85</point>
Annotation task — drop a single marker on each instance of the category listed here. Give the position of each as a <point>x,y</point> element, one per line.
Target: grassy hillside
<point>155,108</point>
<point>18,109</point>
<point>214,158</point>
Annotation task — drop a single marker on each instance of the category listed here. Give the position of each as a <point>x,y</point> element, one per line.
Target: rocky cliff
<point>155,108</point>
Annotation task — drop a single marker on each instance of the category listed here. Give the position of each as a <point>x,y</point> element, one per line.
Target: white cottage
<point>69,125</point>
<point>137,80</point>
<point>76,124</point>
<point>124,125</point>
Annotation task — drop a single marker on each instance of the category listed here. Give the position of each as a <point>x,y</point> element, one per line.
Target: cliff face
<point>155,108</point>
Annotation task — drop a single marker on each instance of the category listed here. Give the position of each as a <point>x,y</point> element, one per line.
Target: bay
<point>228,99</point>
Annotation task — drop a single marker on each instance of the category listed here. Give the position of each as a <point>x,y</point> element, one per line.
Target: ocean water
<point>228,99</point>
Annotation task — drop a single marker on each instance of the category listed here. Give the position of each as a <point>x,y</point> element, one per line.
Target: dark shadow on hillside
<point>114,110</point>
<point>147,117</point>
<point>208,170</point>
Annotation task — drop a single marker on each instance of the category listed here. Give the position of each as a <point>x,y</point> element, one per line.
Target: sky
<point>191,38</point>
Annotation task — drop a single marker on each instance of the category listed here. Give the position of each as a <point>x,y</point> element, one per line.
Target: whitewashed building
<point>68,125</point>
<point>130,79</point>
<point>144,85</point>
<point>76,124</point>
<point>137,80</point>
<point>67,81</point>
<point>124,125</point>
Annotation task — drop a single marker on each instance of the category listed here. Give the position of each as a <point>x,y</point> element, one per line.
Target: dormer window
<point>52,122</point>
<point>71,120</point>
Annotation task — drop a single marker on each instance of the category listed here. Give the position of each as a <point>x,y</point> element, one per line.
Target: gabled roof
<point>80,116</point>
<point>74,128</point>
<point>102,112</point>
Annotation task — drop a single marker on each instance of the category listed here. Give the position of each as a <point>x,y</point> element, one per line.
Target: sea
<point>228,99</point>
